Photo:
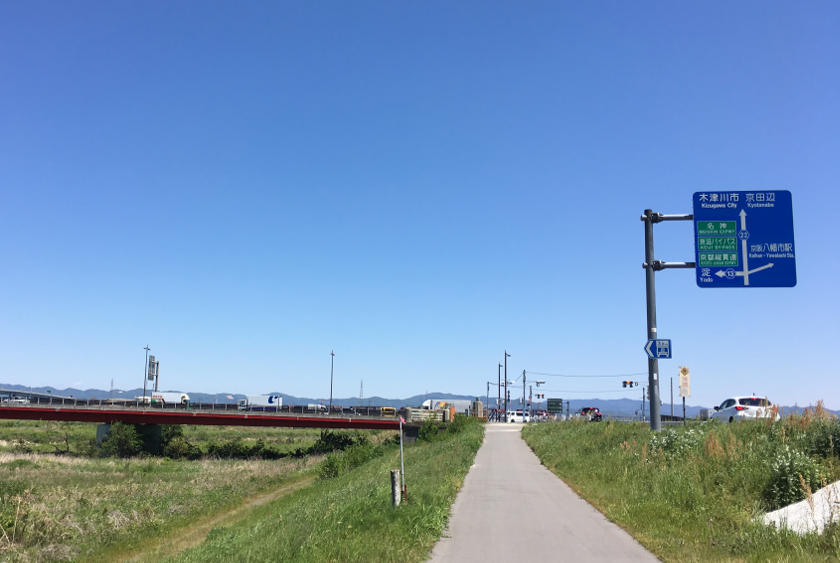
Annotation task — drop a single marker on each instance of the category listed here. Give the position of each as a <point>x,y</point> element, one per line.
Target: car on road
<point>592,414</point>
<point>747,407</point>
<point>517,416</point>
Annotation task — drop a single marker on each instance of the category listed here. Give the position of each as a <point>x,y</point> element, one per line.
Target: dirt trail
<point>193,534</point>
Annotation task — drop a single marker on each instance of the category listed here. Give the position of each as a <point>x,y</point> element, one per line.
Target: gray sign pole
<point>650,293</point>
<point>651,265</point>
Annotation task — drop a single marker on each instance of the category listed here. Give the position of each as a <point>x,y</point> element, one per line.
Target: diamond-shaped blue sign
<point>744,239</point>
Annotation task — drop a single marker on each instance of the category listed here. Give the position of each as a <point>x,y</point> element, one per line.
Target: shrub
<point>180,448</point>
<point>824,438</point>
<point>458,424</point>
<point>676,443</point>
<point>170,432</point>
<point>429,430</point>
<point>331,441</point>
<point>123,440</point>
<point>793,475</point>
<point>339,463</point>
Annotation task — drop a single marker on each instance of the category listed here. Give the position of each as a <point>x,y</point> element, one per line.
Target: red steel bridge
<point>108,415</point>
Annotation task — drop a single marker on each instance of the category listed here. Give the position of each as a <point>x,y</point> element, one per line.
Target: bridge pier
<point>102,431</point>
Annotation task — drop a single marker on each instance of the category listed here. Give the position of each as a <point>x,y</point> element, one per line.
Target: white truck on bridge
<point>169,398</point>
<point>261,403</point>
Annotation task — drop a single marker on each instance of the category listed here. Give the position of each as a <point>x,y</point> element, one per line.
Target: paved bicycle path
<point>511,508</point>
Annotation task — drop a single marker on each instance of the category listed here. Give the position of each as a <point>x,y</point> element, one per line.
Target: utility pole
<point>530,402</point>
<point>145,367</point>
<point>499,393</point>
<point>672,396</point>
<point>523,395</point>
<point>507,395</point>
<point>332,358</point>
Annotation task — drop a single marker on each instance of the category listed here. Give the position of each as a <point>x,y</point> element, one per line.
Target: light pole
<point>145,367</point>
<point>506,391</point>
<point>499,393</point>
<point>332,359</point>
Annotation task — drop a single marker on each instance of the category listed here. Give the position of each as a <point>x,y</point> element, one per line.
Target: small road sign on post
<point>685,387</point>
<point>685,384</point>
<point>658,348</point>
<point>744,239</point>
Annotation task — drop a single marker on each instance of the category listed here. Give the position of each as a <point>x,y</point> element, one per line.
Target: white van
<point>517,416</point>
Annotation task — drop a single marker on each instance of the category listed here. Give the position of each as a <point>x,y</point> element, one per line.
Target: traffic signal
<point>629,383</point>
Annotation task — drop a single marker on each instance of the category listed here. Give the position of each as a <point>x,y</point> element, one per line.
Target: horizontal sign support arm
<point>661,265</point>
<point>656,217</point>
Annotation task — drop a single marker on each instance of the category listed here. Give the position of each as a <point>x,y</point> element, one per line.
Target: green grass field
<point>76,504</point>
<point>695,493</point>
<point>350,517</point>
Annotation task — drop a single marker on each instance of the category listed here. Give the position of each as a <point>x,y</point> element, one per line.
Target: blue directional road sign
<point>658,349</point>
<point>744,239</point>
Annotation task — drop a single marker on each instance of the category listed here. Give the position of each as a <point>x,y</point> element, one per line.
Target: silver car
<point>745,408</point>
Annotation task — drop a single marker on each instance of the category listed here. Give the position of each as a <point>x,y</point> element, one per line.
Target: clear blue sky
<point>418,186</point>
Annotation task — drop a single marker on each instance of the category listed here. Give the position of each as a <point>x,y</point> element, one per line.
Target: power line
<point>593,391</point>
<point>586,376</point>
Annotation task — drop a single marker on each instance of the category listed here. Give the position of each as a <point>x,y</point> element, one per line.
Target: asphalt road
<point>511,508</point>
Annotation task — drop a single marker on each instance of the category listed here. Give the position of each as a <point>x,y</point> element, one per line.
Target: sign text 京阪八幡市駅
<point>744,239</point>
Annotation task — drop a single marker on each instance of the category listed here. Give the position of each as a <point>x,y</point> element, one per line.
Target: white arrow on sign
<point>665,352</point>
<point>746,272</point>
<point>754,270</point>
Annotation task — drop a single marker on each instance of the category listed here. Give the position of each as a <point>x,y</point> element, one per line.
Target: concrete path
<point>512,508</point>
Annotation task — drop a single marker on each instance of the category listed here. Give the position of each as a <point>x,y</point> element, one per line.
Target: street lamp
<point>145,366</point>
<point>332,359</point>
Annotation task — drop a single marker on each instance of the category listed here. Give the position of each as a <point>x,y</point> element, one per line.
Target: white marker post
<point>402,460</point>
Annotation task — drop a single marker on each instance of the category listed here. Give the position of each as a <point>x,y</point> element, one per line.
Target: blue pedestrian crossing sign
<point>744,239</point>
<point>658,349</point>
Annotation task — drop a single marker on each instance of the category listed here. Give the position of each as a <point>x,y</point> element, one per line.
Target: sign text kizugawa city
<point>744,239</point>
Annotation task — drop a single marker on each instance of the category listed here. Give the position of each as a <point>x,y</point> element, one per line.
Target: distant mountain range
<point>610,407</point>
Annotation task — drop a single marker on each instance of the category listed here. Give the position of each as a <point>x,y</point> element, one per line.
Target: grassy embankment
<point>695,493</point>
<point>347,515</point>
<point>74,504</point>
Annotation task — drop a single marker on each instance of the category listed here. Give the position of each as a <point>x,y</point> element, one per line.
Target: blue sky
<point>418,186</point>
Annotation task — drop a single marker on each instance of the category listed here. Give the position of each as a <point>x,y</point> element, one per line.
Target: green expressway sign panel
<point>555,406</point>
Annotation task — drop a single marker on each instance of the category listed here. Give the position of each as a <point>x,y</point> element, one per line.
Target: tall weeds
<point>694,493</point>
